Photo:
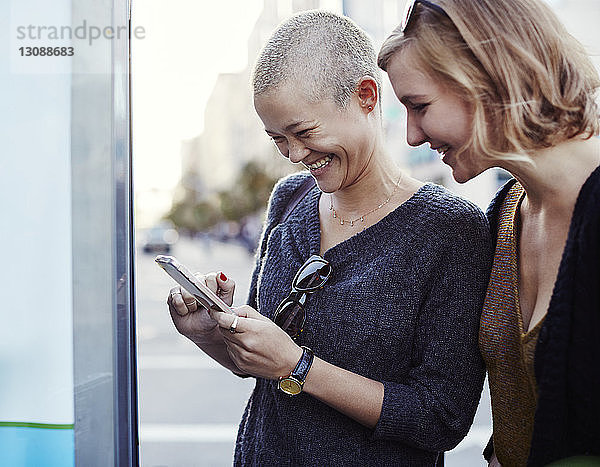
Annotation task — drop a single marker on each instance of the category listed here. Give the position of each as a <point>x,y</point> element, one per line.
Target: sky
<point>174,68</point>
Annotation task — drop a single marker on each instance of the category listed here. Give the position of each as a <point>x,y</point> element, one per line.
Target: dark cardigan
<point>567,357</point>
<point>402,307</point>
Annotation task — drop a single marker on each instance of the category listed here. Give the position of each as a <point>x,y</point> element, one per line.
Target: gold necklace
<point>362,218</point>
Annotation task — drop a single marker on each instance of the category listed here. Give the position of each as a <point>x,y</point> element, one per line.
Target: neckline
<point>341,250</point>
<point>586,190</point>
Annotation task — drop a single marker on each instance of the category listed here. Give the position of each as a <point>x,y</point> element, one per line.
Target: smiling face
<point>436,116</point>
<point>333,143</point>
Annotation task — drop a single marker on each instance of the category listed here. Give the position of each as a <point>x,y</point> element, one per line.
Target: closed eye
<point>276,138</point>
<point>304,133</point>
<point>417,107</point>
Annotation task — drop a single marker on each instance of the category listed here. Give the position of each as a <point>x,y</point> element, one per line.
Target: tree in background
<point>247,197</point>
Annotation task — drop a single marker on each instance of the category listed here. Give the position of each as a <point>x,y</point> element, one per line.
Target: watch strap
<point>302,368</point>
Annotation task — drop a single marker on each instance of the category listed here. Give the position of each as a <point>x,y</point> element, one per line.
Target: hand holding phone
<point>203,295</point>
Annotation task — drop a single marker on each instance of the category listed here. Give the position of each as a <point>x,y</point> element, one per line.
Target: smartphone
<point>206,297</point>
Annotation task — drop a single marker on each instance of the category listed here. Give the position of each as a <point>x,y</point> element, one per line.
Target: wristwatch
<point>292,383</point>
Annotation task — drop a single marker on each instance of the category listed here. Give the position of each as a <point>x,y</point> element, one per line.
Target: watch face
<point>290,386</point>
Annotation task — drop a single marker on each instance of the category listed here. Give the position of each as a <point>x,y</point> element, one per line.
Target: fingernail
<point>223,277</point>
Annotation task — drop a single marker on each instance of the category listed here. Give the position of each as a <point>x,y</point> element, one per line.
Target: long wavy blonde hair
<point>530,84</point>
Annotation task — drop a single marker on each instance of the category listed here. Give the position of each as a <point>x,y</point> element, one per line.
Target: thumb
<point>249,312</point>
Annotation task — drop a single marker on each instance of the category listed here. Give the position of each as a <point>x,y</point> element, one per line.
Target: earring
<point>370,107</point>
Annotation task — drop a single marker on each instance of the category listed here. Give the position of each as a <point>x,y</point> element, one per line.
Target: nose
<point>415,136</point>
<point>297,150</point>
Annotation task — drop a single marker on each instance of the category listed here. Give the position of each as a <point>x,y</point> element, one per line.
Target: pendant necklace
<point>351,222</point>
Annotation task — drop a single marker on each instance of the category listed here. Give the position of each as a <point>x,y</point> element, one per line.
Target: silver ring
<point>233,326</point>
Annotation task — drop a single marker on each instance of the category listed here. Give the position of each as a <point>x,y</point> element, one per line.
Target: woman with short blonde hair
<point>362,318</point>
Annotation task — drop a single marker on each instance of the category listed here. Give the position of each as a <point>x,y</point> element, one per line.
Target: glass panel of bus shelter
<point>67,349</point>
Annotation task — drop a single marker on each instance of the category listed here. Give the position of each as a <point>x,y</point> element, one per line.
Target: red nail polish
<point>223,277</point>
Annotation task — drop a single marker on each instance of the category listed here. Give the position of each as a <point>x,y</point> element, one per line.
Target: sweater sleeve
<point>433,406</point>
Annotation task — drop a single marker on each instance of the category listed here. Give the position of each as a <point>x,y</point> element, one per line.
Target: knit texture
<point>402,307</point>
<point>507,350</point>
<point>567,353</point>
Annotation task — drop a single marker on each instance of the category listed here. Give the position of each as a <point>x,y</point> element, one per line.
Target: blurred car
<point>159,239</point>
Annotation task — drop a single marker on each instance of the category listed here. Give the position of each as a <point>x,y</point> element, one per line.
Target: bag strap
<point>298,196</point>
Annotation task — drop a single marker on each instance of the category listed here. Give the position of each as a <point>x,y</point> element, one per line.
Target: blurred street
<point>189,406</point>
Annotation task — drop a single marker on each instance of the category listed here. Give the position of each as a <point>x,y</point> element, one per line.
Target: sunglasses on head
<point>311,276</point>
<point>410,7</point>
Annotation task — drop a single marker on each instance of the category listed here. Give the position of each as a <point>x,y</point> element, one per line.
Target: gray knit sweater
<point>402,307</point>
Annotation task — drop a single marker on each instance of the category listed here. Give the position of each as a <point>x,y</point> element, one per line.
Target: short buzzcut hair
<point>328,52</point>
<point>530,83</point>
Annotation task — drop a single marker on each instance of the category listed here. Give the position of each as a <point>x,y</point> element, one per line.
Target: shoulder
<point>283,191</point>
<point>585,221</point>
<point>589,195</point>
<point>449,210</point>
<point>451,226</point>
<point>287,185</point>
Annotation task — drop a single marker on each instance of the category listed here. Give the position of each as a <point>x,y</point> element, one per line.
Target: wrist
<point>291,361</point>
<point>292,383</point>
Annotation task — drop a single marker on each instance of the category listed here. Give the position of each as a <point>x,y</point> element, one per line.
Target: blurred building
<point>233,133</point>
